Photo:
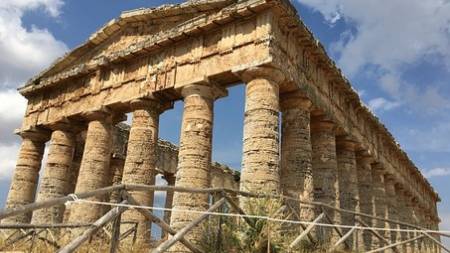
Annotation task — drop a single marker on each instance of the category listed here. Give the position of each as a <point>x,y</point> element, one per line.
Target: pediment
<point>127,31</point>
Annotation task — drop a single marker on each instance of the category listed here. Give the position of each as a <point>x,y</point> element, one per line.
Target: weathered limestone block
<point>296,152</point>
<point>194,158</point>
<point>260,158</point>
<point>57,179</point>
<point>392,207</point>
<point>140,163</point>
<point>348,183</point>
<point>94,170</point>
<point>324,163</point>
<point>379,194</point>
<point>366,200</point>
<point>26,175</point>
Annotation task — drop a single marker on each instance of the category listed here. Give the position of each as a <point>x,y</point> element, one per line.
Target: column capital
<point>364,157</point>
<point>104,114</point>
<point>205,89</point>
<point>34,134</point>
<point>344,142</point>
<point>67,125</point>
<point>295,99</point>
<point>389,178</point>
<point>151,104</point>
<point>269,73</point>
<point>322,124</point>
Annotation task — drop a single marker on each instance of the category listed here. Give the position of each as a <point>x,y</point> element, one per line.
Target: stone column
<point>392,207</point>
<point>260,158</point>
<point>116,168</point>
<point>366,200</point>
<point>194,158</point>
<point>168,202</point>
<point>26,175</point>
<point>140,163</point>
<point>347,182</point>
<point>324,163</point>
<point>94,169</point>
<point>76,163</point>
<point>296,152</point>
<point>56,181</point>
<point>401,214</point>
<point>379,194</point>
<point>409,218</point>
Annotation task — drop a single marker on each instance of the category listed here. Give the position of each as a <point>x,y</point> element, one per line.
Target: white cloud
<point>437,172</point>
<point>382,104</point>
<point>389,33</point>
<point>388,37</point>
<point>25,51</point>
<point>8,156</point>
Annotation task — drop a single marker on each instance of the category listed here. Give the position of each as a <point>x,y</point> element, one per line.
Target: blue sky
<point>395,52</point>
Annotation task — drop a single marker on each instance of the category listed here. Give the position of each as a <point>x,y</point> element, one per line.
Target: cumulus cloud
<point>382,104</point>
<point>388,37</point>
<point>25,51</point>
<point>389,33</point>
<point>437,172</point>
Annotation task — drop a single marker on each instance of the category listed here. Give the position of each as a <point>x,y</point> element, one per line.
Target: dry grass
<point>229,235</point>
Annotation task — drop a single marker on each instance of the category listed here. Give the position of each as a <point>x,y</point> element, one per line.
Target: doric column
<point>194,157</point>
<point>168,202</point>
<point>410,218</point>
<point>116,168</point>
<point>404,216</point>
<point>347,182</point>
<point>260,158</point>
<point>392,207</point>
<point>76,163</point>
<point>324,163</point>
<point>26,175</point>
<point>140,163</point>
<point>366,200</point>
<point>379,194</point>
<point>94,169</point>
<point>56,181</point>
<point>296,157</point>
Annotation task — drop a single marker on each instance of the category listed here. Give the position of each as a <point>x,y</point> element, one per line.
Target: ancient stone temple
<point>330,148</point>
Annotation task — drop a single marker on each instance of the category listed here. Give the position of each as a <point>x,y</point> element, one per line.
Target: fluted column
<point>392,207</point>
<point>168,202</point>
<point>56,181</point>
<point>347,182</point>
<point>410,218</point>
<point>260,158</point>
<point>26,175</point>
<point>116,167</point>
<point>76,163</point>
<point>296,157</point>
<point>140,163</point>
<point>324,163</point>
<point>401,214</point>
<point>379,194</point>
<point>366,200</point>
<point>94,169</point>
<point>194,158</point>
